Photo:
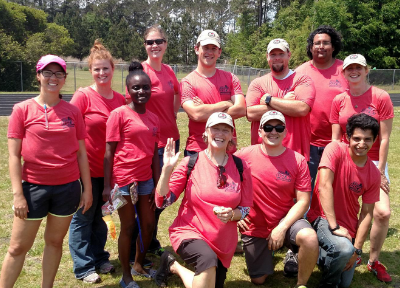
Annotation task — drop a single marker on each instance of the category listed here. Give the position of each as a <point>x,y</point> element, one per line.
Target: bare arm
<point>254,113</point>
<point>200,113</point>
<point>290,107</point>
<point>336,133</point>
<point>87,196</point>
<point>177,103</point>
<point>15,167</point>
<point>384,135</point>
<point>297,211</point>
<point>238,109</point>
<point>108,164</point>
<point>325,189</point>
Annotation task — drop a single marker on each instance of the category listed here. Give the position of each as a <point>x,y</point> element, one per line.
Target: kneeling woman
<point>204,233</point>
<point>131,158</point>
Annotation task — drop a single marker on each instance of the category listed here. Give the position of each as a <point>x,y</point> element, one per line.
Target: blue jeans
<point>315,158</point>
<point>88,235</point>
<point>334,253</point>
<point>155,244</point>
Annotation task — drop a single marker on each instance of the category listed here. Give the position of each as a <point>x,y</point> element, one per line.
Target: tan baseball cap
<point>218,118</point>
<point>209,37</point>
<point>271,115</point>
<point>278,43</point>
<point>354,59</point>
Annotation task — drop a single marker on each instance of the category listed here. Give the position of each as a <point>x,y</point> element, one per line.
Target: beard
<point>277,68</point>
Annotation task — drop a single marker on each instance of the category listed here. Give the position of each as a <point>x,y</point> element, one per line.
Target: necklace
<point>223,162</point>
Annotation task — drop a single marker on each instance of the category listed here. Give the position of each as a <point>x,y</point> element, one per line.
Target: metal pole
<point>248,79</point>
<point>122,81</point>
<point>394,72</point>
<point>75,76</point>
<point>22,82</point>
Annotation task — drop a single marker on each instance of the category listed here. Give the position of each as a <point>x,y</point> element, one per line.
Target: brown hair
<point>99,52</point>
<point>156,28</point>
<point>231,144</point>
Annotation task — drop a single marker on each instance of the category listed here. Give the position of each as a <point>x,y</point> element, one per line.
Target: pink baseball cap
<point>47,59</point>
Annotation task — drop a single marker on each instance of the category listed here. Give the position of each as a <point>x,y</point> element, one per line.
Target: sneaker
<point>158,252</point>
<point>106,268</point>
<point>92,278</point>
<point>131,284</point>
<point>161,276</point>
<point>358,261</point>
<point>291,264</point>
<point>149,274</point>
<point>380,271</point>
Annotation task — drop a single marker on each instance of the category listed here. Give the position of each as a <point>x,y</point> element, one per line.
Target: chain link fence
<point>20,76</point>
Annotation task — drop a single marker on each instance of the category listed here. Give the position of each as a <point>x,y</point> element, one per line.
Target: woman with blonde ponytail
<point>88,232</point>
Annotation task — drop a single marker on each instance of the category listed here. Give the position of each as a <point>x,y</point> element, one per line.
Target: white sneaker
<point>92,278</point>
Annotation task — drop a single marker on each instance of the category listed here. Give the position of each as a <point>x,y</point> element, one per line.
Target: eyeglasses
<point>319,44</point>
<point>221,182</point>
<point>48,74</point>
<point>278,128</point>
<point>151,42</point>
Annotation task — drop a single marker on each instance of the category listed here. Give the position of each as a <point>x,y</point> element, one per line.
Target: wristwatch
<point>334,229</point>
<point>358,251</point>
<point>268,99</point>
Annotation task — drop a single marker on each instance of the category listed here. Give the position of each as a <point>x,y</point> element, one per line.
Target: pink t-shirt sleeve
<point>113,128</point>
<point>305,90</point>
<point>254,93</point>
<point>372,194</point>
<point>334,117</point>
<point>303,179</point>
<point>187,91</point>
<point>247,187</point>
<point>16,127</point>
<point>330,156</point>
<point>80,126</point>
<point>79,99</point>
<point>237,89</point>
<point>385,107</point>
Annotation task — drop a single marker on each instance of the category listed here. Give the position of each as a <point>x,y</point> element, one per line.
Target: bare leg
<point>22,237</point>
<point>147,223</point>
<point>307,241</point>
<point>380,225</point>
<point>56,229</point>
<point>259,280</point>
<point>205,279</point>
<point>127,218</point>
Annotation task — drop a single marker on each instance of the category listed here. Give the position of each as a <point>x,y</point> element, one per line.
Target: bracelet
<point>334,229</point>
<point>233,215</point>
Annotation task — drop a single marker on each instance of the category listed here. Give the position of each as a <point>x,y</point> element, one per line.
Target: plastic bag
<point>110,226</point>
<point>117,202</point>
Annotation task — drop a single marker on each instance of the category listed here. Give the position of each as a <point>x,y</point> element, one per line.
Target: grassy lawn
<point>237,274</point>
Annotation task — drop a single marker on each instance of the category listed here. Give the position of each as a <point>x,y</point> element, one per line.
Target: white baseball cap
<point>218,118</point>
<point>278,43</point>
<point>271,115</point>
<point>354,59</point>
<point>209,37</point>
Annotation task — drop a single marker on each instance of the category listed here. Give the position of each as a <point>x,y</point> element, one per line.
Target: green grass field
<point>237,274</point>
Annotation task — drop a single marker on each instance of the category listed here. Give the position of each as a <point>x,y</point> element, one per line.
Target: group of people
<point>320,128</point>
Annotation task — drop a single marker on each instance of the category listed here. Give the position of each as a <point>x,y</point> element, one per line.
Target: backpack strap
<point>239,166</point>
<point>192,161</point>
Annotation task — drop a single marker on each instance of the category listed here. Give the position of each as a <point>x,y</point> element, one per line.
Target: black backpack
<point>193,159</point>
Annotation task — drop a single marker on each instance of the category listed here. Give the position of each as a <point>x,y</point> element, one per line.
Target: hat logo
<point>211,34</point>
<point>273,113</point>
<point>354,56</point>
<point>277,41</point>
<point>222,116</point>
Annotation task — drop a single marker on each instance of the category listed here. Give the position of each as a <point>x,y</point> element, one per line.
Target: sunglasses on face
<point>157,41</point>
<point>221,182</point>
<point>278,128</point>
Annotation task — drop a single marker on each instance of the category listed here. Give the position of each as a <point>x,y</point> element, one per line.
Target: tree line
<point>31,28</point>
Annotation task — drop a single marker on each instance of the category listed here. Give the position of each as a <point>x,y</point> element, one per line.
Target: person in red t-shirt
<point>165,103</point>
<point>362,97</point>
<point>286,91</point>
<point>345,174</point>
<point>204,233</point>
<point>323,44</point>
<point>49,134</point>
<point>131,161</point>
<point>207,90</point>
<point>279,174</point>
<point>88,232</point>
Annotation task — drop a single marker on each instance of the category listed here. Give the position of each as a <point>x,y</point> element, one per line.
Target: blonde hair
<point>155,28</point>
<point>99,52</point>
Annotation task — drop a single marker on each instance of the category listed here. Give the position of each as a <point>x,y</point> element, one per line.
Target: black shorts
<point>197,253</point>
<point>259,258</point>
<point>58,200</point>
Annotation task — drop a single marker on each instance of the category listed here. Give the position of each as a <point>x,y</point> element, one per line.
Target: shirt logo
<point>335,83</point>
<point>154,131</point>
<point>171,84</point>
<point>224,90</point>
<point>369,111</point>
<point>283,176</point>
<point>231,187</point>
<point>355,187</point>
<point>67,122</point>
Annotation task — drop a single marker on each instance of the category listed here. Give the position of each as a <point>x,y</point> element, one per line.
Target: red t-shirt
<point>196,219</point>
<point>349,184</point>
<point>95,110</point>
<point>220,87</point>
<point>328,83</point>
<point>164,86</point>
<point>275,179</point>
<point>50,154</point>
<point>136,135</point>
<point>375,103</point>
<point>298,128</point>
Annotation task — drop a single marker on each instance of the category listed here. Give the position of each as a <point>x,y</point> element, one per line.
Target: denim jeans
<point>154,244</point>
<point>315,158</point>
<point>88,235</point>
<point>334,253</point>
